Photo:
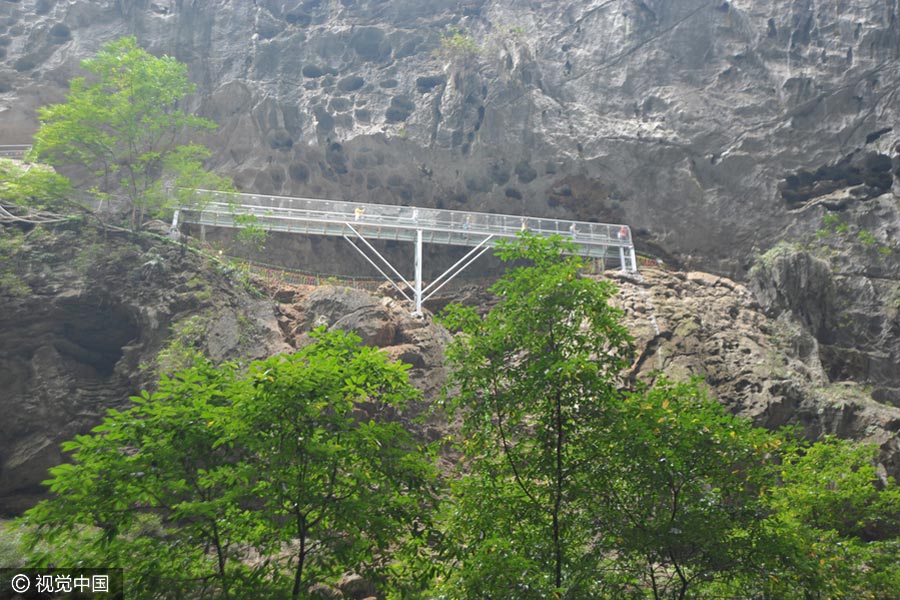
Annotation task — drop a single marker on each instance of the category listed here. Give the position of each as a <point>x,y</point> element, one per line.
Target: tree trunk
<point>557,501</point>
<point>301,556</point>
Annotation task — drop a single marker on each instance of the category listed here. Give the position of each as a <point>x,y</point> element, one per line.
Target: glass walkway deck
<point>359,222</point>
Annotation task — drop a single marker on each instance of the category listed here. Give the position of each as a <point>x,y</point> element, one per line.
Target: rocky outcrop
<point>380,321</point>
<point>841,283</point>
<point>771,370</point>
<point>702,123</point>
<point>90,321</point>
<point>853,316</point>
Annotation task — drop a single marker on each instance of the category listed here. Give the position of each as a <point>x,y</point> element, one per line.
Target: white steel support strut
<point>379,269</point>
<point>462,263</point>
<point>421,293</point>
<point>418,290</point>
<point>374,264</point>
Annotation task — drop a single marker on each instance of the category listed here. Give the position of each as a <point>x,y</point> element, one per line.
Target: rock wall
<point>767,368</point>
<point>86,332</point>
<point>841,283</point>
<point>700,122</point>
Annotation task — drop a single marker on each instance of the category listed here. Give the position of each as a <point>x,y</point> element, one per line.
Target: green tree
<point>220,485</point>
<point>833,529</point>
<point>155,491</point>
<point>125,125</point>
<point>683,490</point>
<point>536,382</point>
<point>576,483</point>
<point>337,476</point>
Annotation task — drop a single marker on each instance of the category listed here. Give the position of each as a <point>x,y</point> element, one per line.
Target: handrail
<point>14,150</point>
<point>458,227</point>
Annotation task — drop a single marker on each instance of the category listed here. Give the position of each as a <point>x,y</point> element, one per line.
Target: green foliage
<point>123,125</point>
<point>684,479</point>
<point>11,242</point>
<point>831,221</point>
<point>91,251</point>
<point>202,291</point>
<point>185,164</point>
<point>767,259</point>
<point>13,285</point>
<point>866,238</point>
<point>241,274</point>
<point>12,549</point>
<point>250,235</point>
<point>515,31</point>
<point>504,31</point>
<point>153,489</point>
<point>458,46</point>
<point>292,466</point>
<point>833,485</point>
<point>34,186</point>
<point>184,347</point>
<point>343,484</point>
<point>833,530</point>
<point>832,224</point>
<point>537,384</point>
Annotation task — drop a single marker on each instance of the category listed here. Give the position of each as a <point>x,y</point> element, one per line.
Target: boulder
<point>321,591</point>
<point>356,587</point>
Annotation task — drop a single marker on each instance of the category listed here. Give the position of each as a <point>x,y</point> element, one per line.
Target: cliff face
<point>767,367</point>
<point>715,128</point>
<point>89,320</point>
<point>702,123</point>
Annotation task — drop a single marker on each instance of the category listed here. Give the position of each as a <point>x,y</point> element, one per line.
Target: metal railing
<point>393,222</point>
<point>14,150</point>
